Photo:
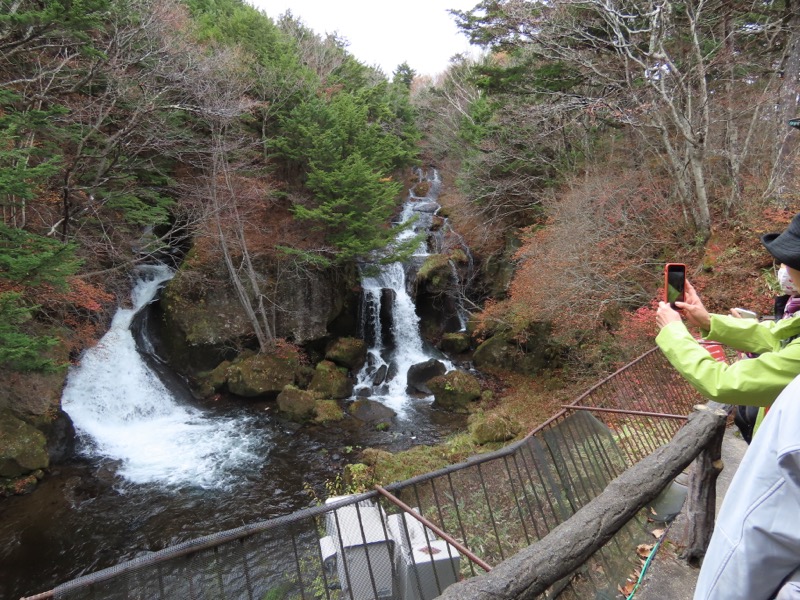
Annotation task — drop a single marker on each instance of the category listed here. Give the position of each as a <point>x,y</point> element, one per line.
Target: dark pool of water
<point>83,517</point>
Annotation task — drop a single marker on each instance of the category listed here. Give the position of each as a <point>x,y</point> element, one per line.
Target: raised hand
<point>693,309</point>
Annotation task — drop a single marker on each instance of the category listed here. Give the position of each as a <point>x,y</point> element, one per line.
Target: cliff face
<point>204,323</point>
<point>34,431</point>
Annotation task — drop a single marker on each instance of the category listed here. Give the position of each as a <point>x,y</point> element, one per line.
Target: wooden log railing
<point>701,497</point>
<point>532,571</point>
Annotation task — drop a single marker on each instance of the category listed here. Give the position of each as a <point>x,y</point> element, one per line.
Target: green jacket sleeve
<point>753,381</point>
<point>746,335</point>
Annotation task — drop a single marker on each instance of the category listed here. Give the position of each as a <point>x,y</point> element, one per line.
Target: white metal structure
<point>364,550</point>
<point>425,565</point>
<point>394,558</point>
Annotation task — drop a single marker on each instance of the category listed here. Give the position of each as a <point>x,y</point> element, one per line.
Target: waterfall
<point>122,411</point>
<point>389,320</point>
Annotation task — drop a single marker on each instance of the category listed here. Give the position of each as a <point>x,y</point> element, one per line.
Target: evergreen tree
<point>26,262</point>
<point>21,351</point>
<point>404,75</point>
<point>24,165</point>
<point>353,205</point>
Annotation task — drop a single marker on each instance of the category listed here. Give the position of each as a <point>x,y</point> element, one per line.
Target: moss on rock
<point>298,405</point>
<point>492,427</point>
<point>454,391</point>
<point>331,381</point>
<point>501,351</point>
<point>23,448</point>
<point>435,273</point>
<point>262,374</point>
<point>455,343</point>
<point>327,411</point>
<point>347,352</point>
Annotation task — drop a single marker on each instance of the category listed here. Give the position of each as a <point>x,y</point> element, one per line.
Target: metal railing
<point>411,539</point>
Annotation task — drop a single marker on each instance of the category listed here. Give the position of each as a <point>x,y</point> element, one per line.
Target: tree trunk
<point>703,214</point>
<point>787,140</point>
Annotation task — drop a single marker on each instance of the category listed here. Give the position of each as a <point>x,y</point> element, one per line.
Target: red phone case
<point>666,280</point>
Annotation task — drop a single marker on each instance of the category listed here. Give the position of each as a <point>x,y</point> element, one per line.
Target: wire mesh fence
<point>412,539</point>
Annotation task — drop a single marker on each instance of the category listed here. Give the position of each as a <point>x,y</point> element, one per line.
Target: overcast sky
<point>385,33</point>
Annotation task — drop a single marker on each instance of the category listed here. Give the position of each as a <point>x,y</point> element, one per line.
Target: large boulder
<point>437,291</point>
<point>455,391</point>
<point>296,404</point>
<point>455,343</point>
<point>436,273</point>
<point>35,398</point>
<point>347,352</point>
<point>23,448</point>
<point>492,427</point>
<point>370,411</point>
<point>32,395</point>
<point>331,381</point>
<point>502,351</point>
<point>420,373</point>
<point>202,317</point>
<point>326,411</point>
<point>261,374</point>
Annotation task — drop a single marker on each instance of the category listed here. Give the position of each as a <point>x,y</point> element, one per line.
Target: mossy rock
<point>436,273</point>
<point>501,351</point>
<point>262,374</point>
<point>455,391</point>
<point>347,352</point>
<point>212,381</point>
<point>488,428</point>
<point>19,486</point>
<point>454,343</point>
<point>331,381</point>
<point>372,412</point>
<point>298,405</point>
<point>422,188</point>
<point>23,448</point>
<point>327,411</point>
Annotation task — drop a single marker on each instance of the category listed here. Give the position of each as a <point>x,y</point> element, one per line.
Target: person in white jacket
<point>754,553</point>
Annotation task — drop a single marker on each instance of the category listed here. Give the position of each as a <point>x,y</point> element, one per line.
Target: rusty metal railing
<point>414,538</point>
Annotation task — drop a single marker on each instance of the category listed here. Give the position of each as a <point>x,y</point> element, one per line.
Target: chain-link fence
<point>410,540</point>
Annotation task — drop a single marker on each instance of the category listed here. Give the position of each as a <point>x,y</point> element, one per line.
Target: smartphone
<point>746,314</point>
<point>674,283</point>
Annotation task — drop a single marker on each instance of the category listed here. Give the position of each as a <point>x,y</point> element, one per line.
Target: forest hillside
<point>590,144</point>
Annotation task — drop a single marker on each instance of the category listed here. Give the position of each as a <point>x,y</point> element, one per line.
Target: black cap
<point>785,247</point>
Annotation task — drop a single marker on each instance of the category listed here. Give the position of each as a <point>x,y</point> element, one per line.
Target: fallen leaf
<point>627,589</point>
<point>644,550</point>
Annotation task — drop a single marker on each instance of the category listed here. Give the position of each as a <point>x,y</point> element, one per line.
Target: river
<point>155,468</point>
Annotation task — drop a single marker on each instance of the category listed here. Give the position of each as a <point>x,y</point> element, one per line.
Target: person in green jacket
<point>755,381</point>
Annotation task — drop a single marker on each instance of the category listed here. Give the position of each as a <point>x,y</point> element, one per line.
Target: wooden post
<point>701,497</point>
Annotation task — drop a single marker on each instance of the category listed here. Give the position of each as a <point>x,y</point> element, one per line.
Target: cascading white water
<point>122,411</point>
<point>407,347</point>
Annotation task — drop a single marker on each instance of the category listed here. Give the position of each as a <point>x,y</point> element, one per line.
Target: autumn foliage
<point>596,254</point>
